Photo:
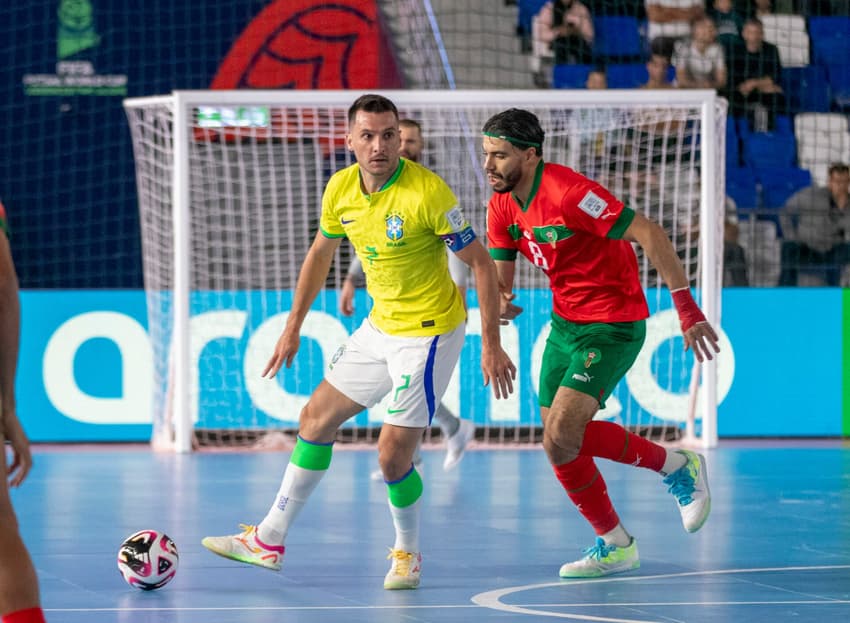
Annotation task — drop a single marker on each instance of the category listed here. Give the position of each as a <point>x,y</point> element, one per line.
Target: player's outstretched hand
<point>21,456</point>
<point>497,367</point>
<point>507,310</point>
<point>284,352</point>
<point>700,337</point>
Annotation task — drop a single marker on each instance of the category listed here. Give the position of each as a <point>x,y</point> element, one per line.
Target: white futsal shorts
<point>415,371</point>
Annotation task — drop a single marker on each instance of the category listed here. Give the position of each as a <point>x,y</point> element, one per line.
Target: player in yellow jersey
<point>456,431</point>
<point>399,216</point>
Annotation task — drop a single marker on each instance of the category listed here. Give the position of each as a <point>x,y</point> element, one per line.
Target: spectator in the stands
<point>816,229</point>
<point>561,33</point>
<point>728,23</point>
<point>669,21</point>
<point>568,28</point>
<point>658,68</point>
<point>754,76</point>
<point>699,61</point>
<point>762,8</point>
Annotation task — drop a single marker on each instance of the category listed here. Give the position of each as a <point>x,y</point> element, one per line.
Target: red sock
<point>30,615</point>
<point>611,441</point>
<point>586,488</point>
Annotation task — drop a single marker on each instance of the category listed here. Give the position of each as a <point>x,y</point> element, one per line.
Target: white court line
<point>492,599</point>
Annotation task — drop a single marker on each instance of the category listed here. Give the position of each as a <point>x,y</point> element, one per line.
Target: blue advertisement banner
<point>87,363</point>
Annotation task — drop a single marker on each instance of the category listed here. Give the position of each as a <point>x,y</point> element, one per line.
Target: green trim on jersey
<point>503,255</point>
<point>538,174</point>
<point>330,235</point>
<point>621,224</point>
<point>5,227</point>
<point>389,182</point>
<point>551,234</point>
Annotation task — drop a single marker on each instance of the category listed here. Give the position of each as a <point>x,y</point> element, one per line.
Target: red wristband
<point>687,308</point>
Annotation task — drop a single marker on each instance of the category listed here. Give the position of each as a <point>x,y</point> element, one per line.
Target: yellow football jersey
<point>397,234</point>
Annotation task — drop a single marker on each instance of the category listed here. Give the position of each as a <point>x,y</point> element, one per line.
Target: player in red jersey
<point>19,599</point>
<point>580,236</point>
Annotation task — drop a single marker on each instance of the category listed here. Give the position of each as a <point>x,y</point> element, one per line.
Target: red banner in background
<point>311,44</point>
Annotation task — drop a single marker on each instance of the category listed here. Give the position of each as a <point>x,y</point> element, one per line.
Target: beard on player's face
<point>507,180</point>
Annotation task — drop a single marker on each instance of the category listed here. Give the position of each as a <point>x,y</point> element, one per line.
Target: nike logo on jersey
<point>346,222</point>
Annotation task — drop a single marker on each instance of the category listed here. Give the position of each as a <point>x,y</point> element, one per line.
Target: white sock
<point>406,522</point>
<point>674,461</point>
<point>448,421</point>
<point>297,485</point>
<point>618,536</point>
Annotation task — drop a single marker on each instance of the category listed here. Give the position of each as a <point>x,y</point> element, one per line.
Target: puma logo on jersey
<point>584,377</point>
<point>607,214</point>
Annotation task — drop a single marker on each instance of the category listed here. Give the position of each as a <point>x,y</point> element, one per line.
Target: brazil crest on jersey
<point>572,228</point>
<point>400,234</point>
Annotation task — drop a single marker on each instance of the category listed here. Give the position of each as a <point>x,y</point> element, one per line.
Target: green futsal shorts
<point>589,357</point>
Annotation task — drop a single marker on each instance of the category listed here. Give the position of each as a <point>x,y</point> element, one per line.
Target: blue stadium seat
<point>839,82</point>
<point>733,146</point>
<point>617,37</point>
<point>527,10</point>
<point>769,149</point>
<point>630,75</point>
<point>777,185</point>
<point>626,75</point>
<point>741,186</point>
<point>806,88</point>
<point>830,37</point>
<point>570,76</point>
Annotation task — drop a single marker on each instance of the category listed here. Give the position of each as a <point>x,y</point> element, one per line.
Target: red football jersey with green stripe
<point>572,228</point>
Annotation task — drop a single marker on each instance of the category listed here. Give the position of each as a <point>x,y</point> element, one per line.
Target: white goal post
<point>230,184</point>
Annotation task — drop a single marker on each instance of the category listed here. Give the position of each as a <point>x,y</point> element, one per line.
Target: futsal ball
<point>148,559</point>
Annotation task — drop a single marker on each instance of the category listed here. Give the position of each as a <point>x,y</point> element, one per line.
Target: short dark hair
<point>519,127</point>
<point>838,167</point>
<point>410,123</point>
<point>371,102</point>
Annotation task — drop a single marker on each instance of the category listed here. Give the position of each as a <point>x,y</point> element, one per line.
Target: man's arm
<point>495,363</point>
<point>10,327</point>
<point>698,333</point>
<point>789,215</point>
<point>311,279</point>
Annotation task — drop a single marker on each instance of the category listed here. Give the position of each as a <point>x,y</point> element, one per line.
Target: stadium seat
<point>733,145</point>
<point>631,75</point>
<point>822,138</point>
<point>788,34</point>
<point>806,89</point>
<point>617,38</point>
<point>570,76</point>
<point>769,149</point>
<point>839,82</point>
<point>626,75</point>
<point>741,186</point>
<point>777,185</point>
<point>830,38</point>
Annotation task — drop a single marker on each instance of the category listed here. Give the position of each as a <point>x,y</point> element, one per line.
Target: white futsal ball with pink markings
<point>148,559</point>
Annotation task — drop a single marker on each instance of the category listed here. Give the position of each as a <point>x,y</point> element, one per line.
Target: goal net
<point>230,187</point>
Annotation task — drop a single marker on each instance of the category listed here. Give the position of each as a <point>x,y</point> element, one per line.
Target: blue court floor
<point>495,532</point>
